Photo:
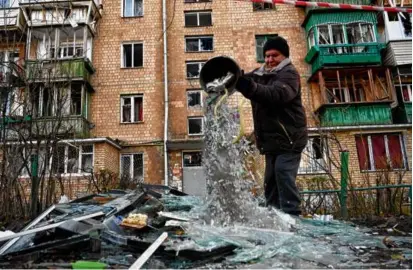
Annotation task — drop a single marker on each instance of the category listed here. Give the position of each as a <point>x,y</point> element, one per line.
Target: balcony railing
<point>343,54</point>
<point>74,126</point>
<point>9,16</point>
<point>59,69</point>
<point>351,114</point>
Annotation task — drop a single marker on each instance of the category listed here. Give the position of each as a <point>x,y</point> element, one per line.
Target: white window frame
<point>199,43</point>
<point>131,164</point>
<point>312,165</point>
<point>133,8</point>
<point>132,97</point>
<point>202,125</point>
<point>80,154</point>
<point>201,104</point>
<point>386,146</point>
<point>200,65</point>
<point>133,56</point>
<point>197,18</point>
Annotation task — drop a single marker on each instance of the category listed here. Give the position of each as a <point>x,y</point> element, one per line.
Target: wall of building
<point>111,80</point>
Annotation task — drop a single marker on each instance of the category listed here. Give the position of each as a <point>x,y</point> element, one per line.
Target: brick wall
<point>152,162</point>
<point>106,156</point>
<point>110,80</point>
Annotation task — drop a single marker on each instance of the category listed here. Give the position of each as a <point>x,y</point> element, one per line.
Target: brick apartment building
<point>355,71</point>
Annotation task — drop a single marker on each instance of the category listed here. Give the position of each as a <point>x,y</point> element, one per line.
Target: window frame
<point>199,43</point>
<point>133,8</point>
<point>256,4</point>
<point>200,65</point>
<point>131,155</point>
<point>132,108</point>
<point>198,17</point>
<point>189,152</point>
<point>132,60</point>
<point>201,102</point>
<point>79,160</point>
<point>399,87</point>
<point>314,166</point>
<point>370,156</point>
<point>265,38</point>
<point>202,125</point>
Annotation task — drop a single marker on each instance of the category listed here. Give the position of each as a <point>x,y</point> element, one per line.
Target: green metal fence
<point>344,190</point>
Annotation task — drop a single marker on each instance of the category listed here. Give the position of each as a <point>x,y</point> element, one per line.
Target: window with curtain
<point>131,109</point>
<point>381,152</point>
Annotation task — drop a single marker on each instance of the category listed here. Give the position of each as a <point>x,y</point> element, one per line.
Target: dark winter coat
<point>278,113</point>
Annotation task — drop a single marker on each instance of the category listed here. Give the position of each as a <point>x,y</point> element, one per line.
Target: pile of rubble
<point>109,230</point>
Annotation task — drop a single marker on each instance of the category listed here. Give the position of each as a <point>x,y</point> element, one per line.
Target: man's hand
<point>244,84</point>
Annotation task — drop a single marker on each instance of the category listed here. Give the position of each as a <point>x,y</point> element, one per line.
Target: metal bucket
<point>218,67</point>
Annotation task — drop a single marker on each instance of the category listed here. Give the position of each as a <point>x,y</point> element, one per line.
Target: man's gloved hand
<point>244,84</point>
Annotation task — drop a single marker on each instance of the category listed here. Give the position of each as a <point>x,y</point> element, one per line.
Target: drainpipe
<point>166,100</point>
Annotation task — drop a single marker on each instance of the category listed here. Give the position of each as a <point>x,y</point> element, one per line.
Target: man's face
<point>273,58</point>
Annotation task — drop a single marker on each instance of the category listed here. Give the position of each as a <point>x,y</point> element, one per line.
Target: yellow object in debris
<point>219,102</point>
<point>135,220</point>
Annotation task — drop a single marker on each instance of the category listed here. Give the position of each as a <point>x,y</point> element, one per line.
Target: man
<point>279,122</point>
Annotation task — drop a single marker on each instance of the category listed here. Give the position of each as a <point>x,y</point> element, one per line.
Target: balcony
<point>79,69</point>
<point>75,125</point>
<point>355,114</point>
<point>338,55</point>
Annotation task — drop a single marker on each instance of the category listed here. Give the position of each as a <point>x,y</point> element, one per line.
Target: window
<point>195,126</point>
<point>344,94</point>
<point>262,6</point>
<point>381,151</point>
<point>65,160</point>
<point>131,166</point>
<point>76,99</point>
<point>405,90</point>
<point>311,38</point>
<point>193,69</point>
<point>51,101</point>
<point>194,98</point>
<point>132,8</point>
<point>68,49</point>
<point>86,158</point>
<point>131,109</point>
<point>314,156</point>
<point>132,55</point>
<point>192,159</point>
<point>259,46</point>
<point>200,18</point>
<point>360,33</point>
<point>199,44</point>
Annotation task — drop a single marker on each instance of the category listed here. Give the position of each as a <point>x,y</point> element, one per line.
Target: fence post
<point>344,179</point>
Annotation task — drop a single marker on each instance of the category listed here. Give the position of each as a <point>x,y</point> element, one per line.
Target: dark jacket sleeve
<point>280,91</point>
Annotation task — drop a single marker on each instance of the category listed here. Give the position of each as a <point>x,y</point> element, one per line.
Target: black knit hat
<point>277,43</point>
